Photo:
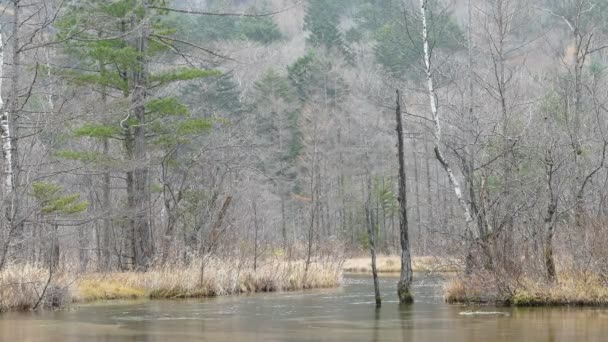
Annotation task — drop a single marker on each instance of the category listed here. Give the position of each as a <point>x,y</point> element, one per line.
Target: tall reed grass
<point>571,288</point>
<point>21,288</point>
<point>25,287</point>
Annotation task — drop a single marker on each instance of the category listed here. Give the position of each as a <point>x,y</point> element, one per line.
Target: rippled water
<point>343,314</point>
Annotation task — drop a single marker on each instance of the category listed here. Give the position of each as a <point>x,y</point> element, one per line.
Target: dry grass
<point>219,279</point>
<point>20,288</point>
<point>458,290</point>
<point>91,289</point>
<point>570,289</point>
<point>392,264</point>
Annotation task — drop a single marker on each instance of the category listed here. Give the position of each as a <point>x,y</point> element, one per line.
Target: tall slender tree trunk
<point>143,234</point>
<point>168,236</point>
<point>507,148</point>
<point>371,233</point>
<point>283,223</point>
<point>384,228</point>
<point>208,247</point>
<point>318,206</point>
<point>313,225</point>
<point>83,253</point>
<point>341,189</point>
<point>429,191</point>
<point>550,218</point>
<point>579,57</point>
<point>256,228</point>
<point>10,136</point>
<point>437,123</point>
<point>7,171</point>
<point>422,235</point>
<point>129,234</point>
<point>105,234</point>
<point>107,221</point>
<point>548,253</point>
<point>469,161</point>
<point>13,115</point>
<point>405,278</point>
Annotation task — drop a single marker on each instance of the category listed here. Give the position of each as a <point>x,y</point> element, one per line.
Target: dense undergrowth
<point>570,288</point>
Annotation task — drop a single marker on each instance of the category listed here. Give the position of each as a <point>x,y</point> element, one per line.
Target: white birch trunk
<point>5,135</point>
<point>7,172</point>
<point>436,120</point>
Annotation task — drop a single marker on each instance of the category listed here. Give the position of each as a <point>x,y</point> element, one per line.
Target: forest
<point>195,148</point>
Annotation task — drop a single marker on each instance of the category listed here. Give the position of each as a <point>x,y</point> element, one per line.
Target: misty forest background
<point>139,133</point>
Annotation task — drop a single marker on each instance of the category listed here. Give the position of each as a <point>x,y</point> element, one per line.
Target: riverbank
<point>392,264</point>
<point>26,288</point>
<point>575,289</point>
<point>346,314</point>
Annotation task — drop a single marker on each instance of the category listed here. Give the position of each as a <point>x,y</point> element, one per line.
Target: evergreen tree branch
<point>194,46</point>
<point>227,14</point>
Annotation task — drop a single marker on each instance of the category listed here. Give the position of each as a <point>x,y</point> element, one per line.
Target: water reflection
<point>345,314</point>
<point>407,322</point>
<point>376,329</point>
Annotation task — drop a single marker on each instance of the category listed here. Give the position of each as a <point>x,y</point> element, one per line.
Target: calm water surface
<point>344,314</point>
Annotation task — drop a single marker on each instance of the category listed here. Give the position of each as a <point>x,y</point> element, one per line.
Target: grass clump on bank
<point>220,279</point>
<point>580,289</point>
<point>21,288</point>
<point>392,264</point>
<point>89,290</point>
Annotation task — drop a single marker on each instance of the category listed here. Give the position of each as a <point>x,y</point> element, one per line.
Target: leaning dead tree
<point>435,116</point>
<point>405,279</point>
<point>437,125</point>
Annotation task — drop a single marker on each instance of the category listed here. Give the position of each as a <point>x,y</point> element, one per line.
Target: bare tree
<point>405,279</point>
<point>437,142</point>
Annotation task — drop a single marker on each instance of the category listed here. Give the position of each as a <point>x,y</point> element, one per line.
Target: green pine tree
<point>316,79</point>
<point>399,40</point>
<point>210,29</point>
<point>321,21</point>
<point>111,46</point>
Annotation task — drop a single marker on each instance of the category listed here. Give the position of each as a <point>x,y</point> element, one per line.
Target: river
<point>343,314</point>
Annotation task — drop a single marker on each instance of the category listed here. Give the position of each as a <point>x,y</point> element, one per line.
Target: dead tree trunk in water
<point>405,280</point>
<point>371,231</point>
